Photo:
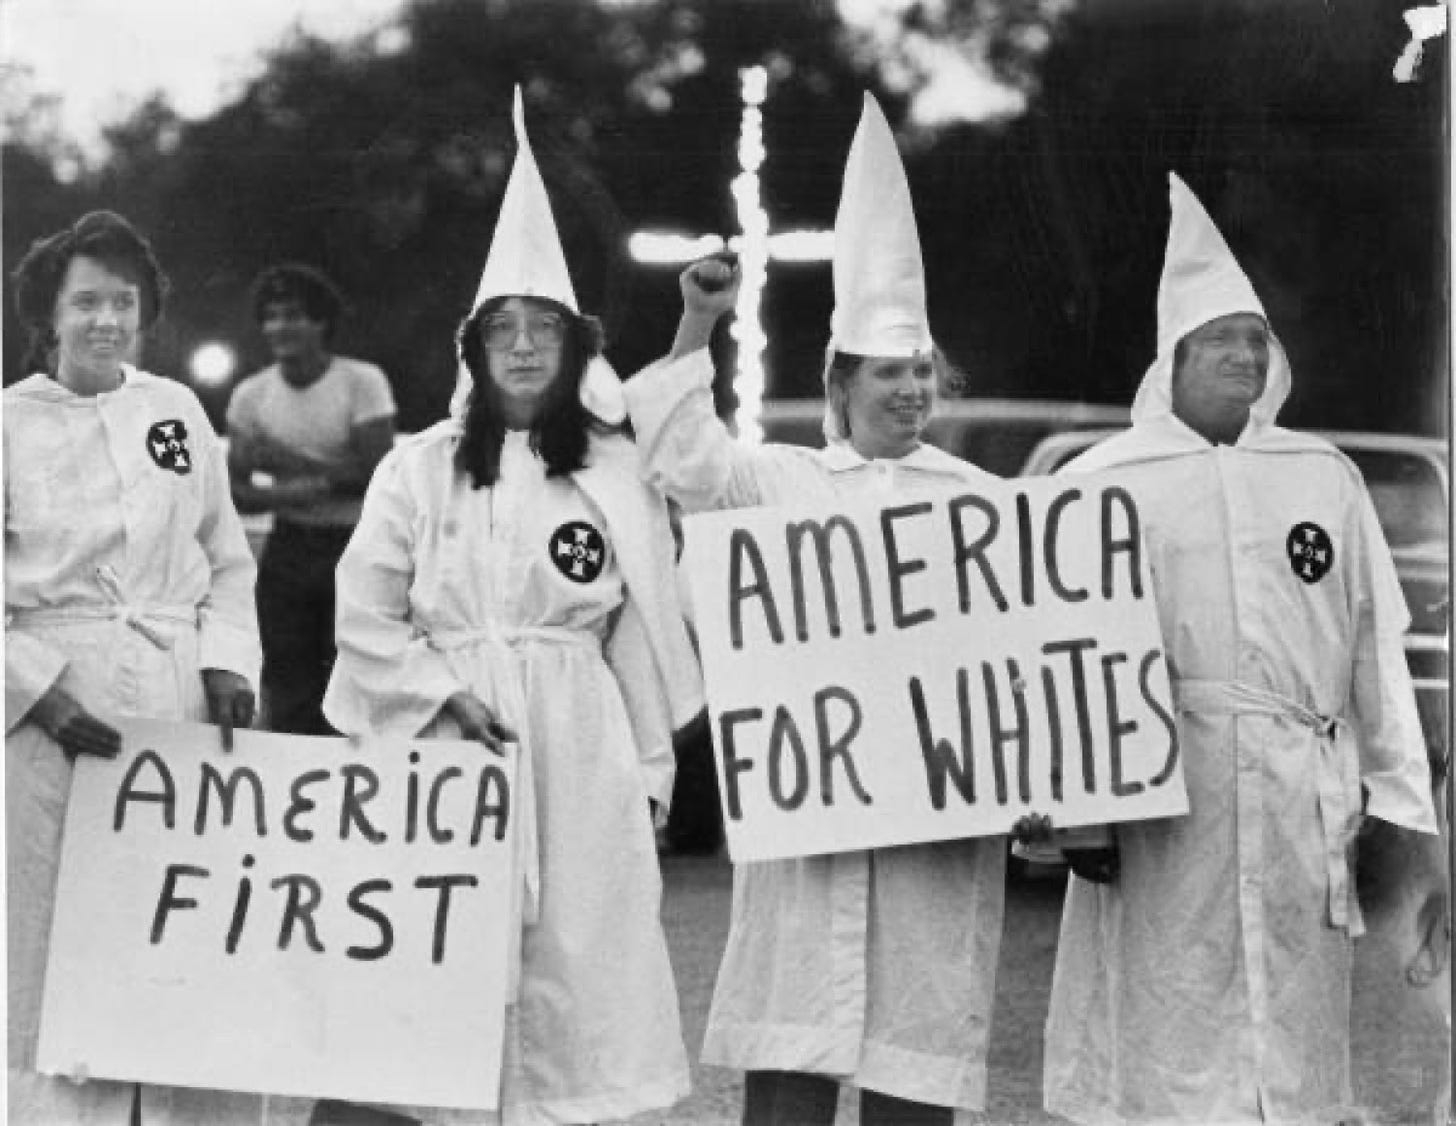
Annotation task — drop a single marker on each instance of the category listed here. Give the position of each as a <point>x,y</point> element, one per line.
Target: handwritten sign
<point>302,916</point>
<point>888,671</point>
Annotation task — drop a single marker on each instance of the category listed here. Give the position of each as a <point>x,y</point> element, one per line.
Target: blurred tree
<point>1326,175</point>
<point>383,160</point>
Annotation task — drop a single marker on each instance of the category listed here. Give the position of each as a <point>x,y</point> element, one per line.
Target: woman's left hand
<point>230,702</point>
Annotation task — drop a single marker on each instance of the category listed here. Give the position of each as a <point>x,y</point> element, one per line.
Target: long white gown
<point>877,968</point>
<point>1210,983</point>
<point>126,573</point>
<point>552,600</point>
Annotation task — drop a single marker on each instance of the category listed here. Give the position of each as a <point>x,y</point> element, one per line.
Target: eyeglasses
<point>545,330</point>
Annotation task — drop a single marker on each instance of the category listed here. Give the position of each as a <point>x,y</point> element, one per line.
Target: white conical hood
<point>1201,281</point>
<point>879,280</point>
<point>525,259</point>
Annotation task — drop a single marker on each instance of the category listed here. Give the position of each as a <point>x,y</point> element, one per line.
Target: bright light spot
<point>755,85</point>
<point>659,248</point>
<point>959,87</point>
<point>393,40</point>
<point>1424,23</point>
<point>212,364</point>
<point>802,246</point>
<point>942,58</point>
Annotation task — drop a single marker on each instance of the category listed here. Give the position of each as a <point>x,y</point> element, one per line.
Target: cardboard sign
<point>303,916</point>
<point>889,671</point>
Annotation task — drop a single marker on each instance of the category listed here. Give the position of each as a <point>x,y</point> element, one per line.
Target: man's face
<point>290,332</point>
<point>1220,374</point>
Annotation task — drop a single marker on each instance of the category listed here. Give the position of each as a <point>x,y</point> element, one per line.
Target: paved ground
<point>1399,1039</point>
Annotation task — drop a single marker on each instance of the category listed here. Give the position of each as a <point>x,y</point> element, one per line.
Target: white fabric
<point>317,421</point>
<point>123,579</point>
<point>879,281</point>
<point>445,588</point>
<point>1202,281</point>
<point>877,968</point>
<point>525,259</point>
<point>1211,981</point>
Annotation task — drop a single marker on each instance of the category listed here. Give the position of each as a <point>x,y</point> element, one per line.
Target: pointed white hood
<point>526,260</point>
<point>1202,281</point>
<point>879,279</point>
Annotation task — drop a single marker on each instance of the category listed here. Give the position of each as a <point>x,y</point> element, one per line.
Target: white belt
<point>527,894</point>
<point>448,639</point>
<point>138,615</point>
<point>1338,819</point>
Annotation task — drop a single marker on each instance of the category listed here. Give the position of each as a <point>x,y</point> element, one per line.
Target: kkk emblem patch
<point>167,443</point>
<point>578,551</point>
<point>1311,553</point>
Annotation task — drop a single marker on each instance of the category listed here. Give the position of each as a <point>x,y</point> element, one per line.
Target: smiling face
<point>96,320</point>
<point>1220,371</point>
<point>523,339</point>
<point>887,404</point>
<point>292,336</point>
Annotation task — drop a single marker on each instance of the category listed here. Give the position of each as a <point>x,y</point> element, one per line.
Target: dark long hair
<point>562,428</point>
<point>102,235</point>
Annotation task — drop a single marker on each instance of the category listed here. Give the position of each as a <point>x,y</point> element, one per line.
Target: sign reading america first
<point>301,916</point>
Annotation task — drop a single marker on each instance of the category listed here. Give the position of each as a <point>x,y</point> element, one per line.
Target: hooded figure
<point>1209,979</point>
<point>877,968</point>
<point>512,581</point>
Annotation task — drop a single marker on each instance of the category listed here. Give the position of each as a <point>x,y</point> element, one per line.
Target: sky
<point>104,57</point>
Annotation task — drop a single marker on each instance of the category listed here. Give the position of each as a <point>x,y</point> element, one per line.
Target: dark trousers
<point>793,1098</point>
<point>296,620</point>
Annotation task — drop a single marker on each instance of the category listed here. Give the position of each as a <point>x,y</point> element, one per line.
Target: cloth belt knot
<point>1339,815</point>
<point>134,616</point>
<point>138,616</point>
<point>513,708</point>
<point>512,636</point>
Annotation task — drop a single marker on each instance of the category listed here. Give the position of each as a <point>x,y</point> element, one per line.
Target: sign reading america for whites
<point>889,671</point>
<point>300,916</point>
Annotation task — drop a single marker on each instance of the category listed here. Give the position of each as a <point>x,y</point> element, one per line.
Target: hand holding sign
<point>61,716</point>
<point>230,702</point>
<point>479,722</point>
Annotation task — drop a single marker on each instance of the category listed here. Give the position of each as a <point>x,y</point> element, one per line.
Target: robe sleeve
<point>227,616</point>
<point>686,450</point>
<point>387,679</point>
<point>1393,764</point>
<point>31,669</point>
<point>629,654</point>
<point>31,666</point>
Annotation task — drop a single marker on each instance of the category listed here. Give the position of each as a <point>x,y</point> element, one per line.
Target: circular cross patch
<point>1311,553</point>
<point>578,551</point>
<point>167,443</point>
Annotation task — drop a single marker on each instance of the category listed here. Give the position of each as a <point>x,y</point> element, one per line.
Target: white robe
<point>445,588</point>
<point>877,968</point>
<point>1210,983</point>
<point>123,579</point>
